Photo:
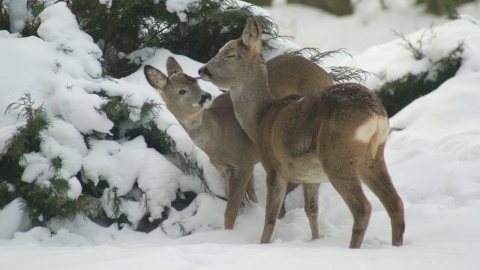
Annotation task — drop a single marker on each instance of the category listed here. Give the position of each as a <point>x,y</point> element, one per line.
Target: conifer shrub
<point>126,26</point>
<point>41,202</point>
<point>118,110</point>
<point>397,94</point>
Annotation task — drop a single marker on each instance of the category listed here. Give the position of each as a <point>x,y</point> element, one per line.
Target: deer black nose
<point>204,98</point>
<point>204,71</point>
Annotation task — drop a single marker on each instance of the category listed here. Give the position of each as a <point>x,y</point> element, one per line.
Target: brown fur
<point>334,134</point>
<point>215,129</point>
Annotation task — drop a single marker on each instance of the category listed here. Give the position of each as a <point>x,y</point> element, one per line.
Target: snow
<point>12,220</point>
<point>17,13</point>
<point>433,155</point>
<point>108,3</point>
<point>124,164</point>
<point>180,7</point>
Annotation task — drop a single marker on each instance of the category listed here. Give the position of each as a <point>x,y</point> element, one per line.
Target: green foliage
<point>190,167</point>
<point>128,25</point>
<point>316,55</point>
<point>155,138</point>
<point>210,25</point>
<point>150,107</point>
<point>338,73</point>
<point>93,190</point>
<point>397,94</point>
<point>118,110</point>
<point>91,206</point>
<point>56,164</point>
<point>41,201</point>
<point>27,138</point>
<point>416,48</point>
<point>349,74</point>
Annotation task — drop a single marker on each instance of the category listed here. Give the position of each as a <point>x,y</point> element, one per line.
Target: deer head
<point>181,93</point>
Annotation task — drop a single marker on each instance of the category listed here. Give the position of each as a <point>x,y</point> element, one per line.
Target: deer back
<point>293,74</point>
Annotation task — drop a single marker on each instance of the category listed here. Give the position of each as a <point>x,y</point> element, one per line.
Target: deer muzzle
<point>205,100</point>
<point>204,73</point>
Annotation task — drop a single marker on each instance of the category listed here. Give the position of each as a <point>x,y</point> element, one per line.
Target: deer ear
<point>252,34</point>
<point>155,77</point>
<point>173,66</point>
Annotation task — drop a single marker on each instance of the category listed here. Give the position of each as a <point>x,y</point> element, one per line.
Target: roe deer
<point>216,131</point>
<point>335,134</point>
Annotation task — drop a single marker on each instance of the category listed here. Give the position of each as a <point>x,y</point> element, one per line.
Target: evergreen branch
<point>190,167</point>
<point>316,55</point>
<point>346,74</point>
<point>27,138</point>
<point>417,48</point>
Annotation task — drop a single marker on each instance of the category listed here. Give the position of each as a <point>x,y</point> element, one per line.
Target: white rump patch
<point>365,132</point>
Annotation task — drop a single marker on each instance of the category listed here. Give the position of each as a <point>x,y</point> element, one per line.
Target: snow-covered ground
<point>433,156</point>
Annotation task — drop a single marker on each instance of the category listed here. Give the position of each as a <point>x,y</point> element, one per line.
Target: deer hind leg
<point>310,192</point>
<point>276,189</point>
<point>252,195</point>
<point>290,187</point>
<point>377,178</point>
<point>346,181</point>
<point>237,181</point>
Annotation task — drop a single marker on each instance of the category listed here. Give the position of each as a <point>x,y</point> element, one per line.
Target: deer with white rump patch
<point>335,134</point>
<point>215,129</point>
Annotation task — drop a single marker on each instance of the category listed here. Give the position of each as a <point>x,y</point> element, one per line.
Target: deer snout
<point>204,73</point>
<point>205,99</point>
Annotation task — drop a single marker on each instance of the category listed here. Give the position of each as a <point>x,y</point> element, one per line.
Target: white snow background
<point>434,157</point>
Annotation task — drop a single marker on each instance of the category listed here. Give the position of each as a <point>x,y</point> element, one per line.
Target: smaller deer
<point>215,129</point>
<point>335,134</point>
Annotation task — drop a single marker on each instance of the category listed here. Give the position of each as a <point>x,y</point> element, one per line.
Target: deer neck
<point>250,100</point>
<point>193,125</point>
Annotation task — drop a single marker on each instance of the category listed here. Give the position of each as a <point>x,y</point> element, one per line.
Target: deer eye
<point>230,56</point>
<point>182,92</point>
